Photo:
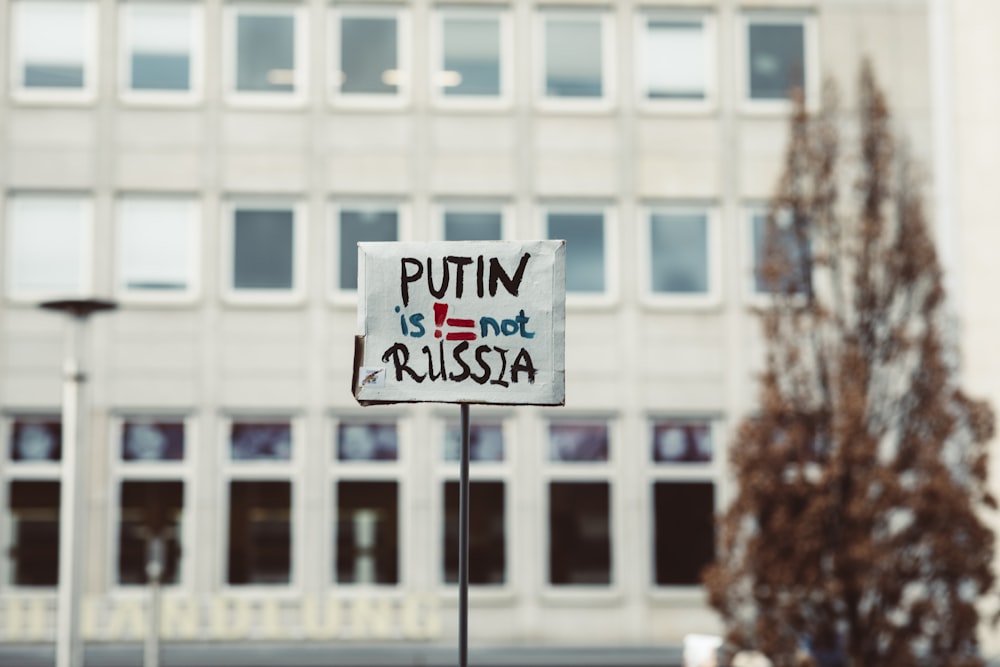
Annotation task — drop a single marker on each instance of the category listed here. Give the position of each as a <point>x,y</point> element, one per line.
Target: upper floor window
<point>472,57</point>
<point>676,59</point>
<point>779,56</point>
<point>48,246</point>
<point>355,223</point>
<point>53,50</point>
<point>576,64</point>
<point>266,259</point>
<point>157,247</point>
<point>161,51</point>
<point>267,54</point>
<point>585,230</point>
<point>370,56</point>
<point>781,263</point>
<point>472,222</point>
<point>680,250</point>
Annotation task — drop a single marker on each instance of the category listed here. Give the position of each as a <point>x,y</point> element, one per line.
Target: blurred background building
<point>211,165</point>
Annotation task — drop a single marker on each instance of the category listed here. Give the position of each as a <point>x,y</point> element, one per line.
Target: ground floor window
<point>684,518</point>
<point>487,533</point>
<point>367,532</point>
<point>580,533</point>
<point>147,509</point>
<point>34,532</point>
<point>260,532</point>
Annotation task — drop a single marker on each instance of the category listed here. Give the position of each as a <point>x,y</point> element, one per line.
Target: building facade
<point>211,165</point>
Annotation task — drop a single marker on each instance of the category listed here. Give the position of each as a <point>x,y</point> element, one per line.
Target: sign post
<point>461,322</point>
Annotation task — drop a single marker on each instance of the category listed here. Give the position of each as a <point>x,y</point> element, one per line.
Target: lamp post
<point>69,650</point>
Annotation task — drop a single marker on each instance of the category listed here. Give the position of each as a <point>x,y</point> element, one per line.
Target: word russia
<point>461,322</point>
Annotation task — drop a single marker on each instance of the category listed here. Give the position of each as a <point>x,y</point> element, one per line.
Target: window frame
<point>196,56</point>
<point>505,98</point>
<point>609,84</point>
<point>810,48</point>
<point>336,294</point>
<point>296,294</point>
<point>298,96</point>
<point>711,47</point>
<point>86,220</point>
<point>752,294</point>
<point>712,297</point>
<point>404,57</point>
<point>193,290</point>
<point>442,207</point>
<point>609,296</point>
<point>87,93</point>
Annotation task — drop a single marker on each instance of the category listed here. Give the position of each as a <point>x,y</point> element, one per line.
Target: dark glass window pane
<point>472,52</point>
<point>36,439</point>
<point>473,226</point>
<point>682,442</point>
<point>777,60</point>
<point>149,508</point>
<point>367,533</point>
<point>161,71</point>
<point>788,245</point>
<point>367,442</point>
<point>679,253</point>
<point>487,541</point>
<point>152,441</point>
<point>584,235</point>
<point>578,442</point>
<point>573,58</point>
<point>53,76</point>
<point>263,249</point>
<point>265,53</point>
<point>485,442</point>
<point>368,56</point>
<point>684,515</point>
<point>357,226</point>
<point>255,441</point>
<point>34,533</point>
<point>579,533</point>
<point>260,532</point>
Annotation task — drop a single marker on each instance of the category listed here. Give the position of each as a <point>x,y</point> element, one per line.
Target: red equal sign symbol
<point>441,318</point>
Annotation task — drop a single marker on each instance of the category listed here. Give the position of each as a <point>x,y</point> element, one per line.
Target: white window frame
<point>609,296</point>
<point>350,297</point>
<point>83,95</point>
<point>298,96</point>
<point>810,33</point>
<point>196,55</point>
<point>482,471</point>
<point>609,84</point>
<point>11,471</point>
<point>297,293</point>
<point>86,221</point>
<point>404,65</point>
<point>153,471</point>
<point>263,471</point>
<point>752,295</point>
<point>188,295</point>
<point>712,298</point>
<point>505,98</point>
<point>370,471</point>
<point>709,33</point>
<point>505,209</point>
<point>608,472</point>
<point>710,472</point>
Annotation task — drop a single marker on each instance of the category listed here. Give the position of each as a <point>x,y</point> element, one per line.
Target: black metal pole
<point>463,546</point>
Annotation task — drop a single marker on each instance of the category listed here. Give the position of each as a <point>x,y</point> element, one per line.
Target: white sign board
<point>461,322</point>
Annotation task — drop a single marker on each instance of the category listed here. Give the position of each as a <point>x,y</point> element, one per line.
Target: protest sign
<point>461,322</point>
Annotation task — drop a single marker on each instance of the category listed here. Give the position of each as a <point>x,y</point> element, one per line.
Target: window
<point>472,222</point>
<point>681,251</point>
<point>157,247</point>
<point>488,485</point>
<point>683,499</point>
<point>161,48</point>
<point>353,224</point>
<point>676,60</point>
<point>259,455</point>
<point>267,54</point>
<point>472,57</point>
<point>779,51</point>
<point>367,502</point>
<point>266,260</point>
<point>48,246</point>
<point>576,64</point>
<point>587,241</point>
<point>789,272</point>
<point>370,56</point>
<point>30,526</point>
<point>579,504</point>
<point>53,50</point>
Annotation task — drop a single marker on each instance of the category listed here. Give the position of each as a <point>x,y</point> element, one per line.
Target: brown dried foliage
<point>862,480</point>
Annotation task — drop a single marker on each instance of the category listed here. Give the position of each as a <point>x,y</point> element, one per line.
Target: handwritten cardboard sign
<point>461,322</point>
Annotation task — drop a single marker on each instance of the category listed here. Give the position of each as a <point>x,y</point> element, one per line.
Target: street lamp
<point>69,650</point>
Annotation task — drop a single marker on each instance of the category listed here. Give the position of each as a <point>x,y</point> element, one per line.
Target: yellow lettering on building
<point>420,617</point>
<point>271,626</point>
<point>125,616</point>
<point>25,619</point>
<point>371,618</point>
<point>230,618</point>
<point>325,628</point>
<point>179,618</point>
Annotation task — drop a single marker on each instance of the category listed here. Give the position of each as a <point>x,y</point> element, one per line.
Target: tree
<point>856,530</point>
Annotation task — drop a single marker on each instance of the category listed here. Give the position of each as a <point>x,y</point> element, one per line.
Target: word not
<point>413,325</point>
<point>412,269</point>
<point>487,357</point>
